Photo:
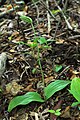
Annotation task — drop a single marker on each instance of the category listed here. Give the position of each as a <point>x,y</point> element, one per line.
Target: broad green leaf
<point>26,19</point>
<point>75,104</point>
<point>75,88</point>
<point>42,40</point>
<point>24,100</point>
<point>54,87</point>
<point>58,67</point>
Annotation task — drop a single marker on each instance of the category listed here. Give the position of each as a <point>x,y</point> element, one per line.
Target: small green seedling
<point>34,70</point>
<point>58,68</point>
<point>55,112</point>
<point>55,11</point>
<point>35,42</point>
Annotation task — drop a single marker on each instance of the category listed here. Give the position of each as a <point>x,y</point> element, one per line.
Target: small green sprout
<point>55,112</point>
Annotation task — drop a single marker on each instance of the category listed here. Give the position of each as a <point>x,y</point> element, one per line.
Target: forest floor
<point>60,60</point>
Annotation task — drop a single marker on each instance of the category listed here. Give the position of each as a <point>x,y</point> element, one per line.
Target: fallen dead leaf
<point>13,88</point>
<point>59,41</point>
<point>66,113</point>
<point>29,88</point>
<point>48,79</point>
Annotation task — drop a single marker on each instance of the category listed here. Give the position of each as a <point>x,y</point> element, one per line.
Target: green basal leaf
<point>24,100</point>
<point>42,40</point>
<point>58,67</point>
<point>54,87</point>
<point>75,104</point>
<point>75,88</point>
<point>26,19</point>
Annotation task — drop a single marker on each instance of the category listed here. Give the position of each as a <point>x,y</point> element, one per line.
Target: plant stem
<point>33,30</point>
<point>40,67</point>
<point>38,56</point>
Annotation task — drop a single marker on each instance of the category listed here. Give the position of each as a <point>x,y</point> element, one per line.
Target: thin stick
<point>48,17</point>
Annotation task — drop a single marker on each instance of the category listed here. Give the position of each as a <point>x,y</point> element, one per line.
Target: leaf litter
<point>65,51</point>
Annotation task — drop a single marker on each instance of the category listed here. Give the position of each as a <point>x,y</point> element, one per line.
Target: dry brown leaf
<point>59,41</point>
<point>15,34</point>
<point>18,39</point>
<point>66,113</point>
<point>48,79</point>
<point>29,88</point>
<point>13,88</point>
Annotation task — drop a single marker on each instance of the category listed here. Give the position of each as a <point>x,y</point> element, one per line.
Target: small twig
<point>36,116</point>
<point>74,37</point>
<point>61,34</point>
<point>65,69</point>
<point>19,2</point>
<point>3,22</point>
<point>68,24</point>
<point>48,17</point>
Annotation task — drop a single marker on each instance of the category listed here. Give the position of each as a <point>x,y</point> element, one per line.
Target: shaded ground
<point>64,50</point>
